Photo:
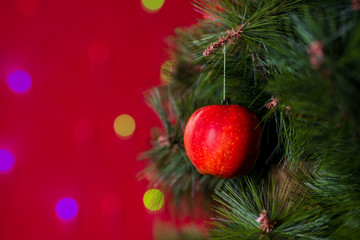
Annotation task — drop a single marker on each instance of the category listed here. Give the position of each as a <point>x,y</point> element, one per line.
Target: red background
<point>61,131</point>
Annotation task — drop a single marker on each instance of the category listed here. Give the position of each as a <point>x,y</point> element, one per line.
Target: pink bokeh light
<point>67,209</point>
<point>19,81</point>
<point>7,161</point>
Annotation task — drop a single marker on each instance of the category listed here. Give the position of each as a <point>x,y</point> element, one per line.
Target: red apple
<point>223,140</point>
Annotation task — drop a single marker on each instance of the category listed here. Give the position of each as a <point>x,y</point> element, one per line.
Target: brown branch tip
<point>316,53</point>
<point>230,37</point>
<point>355,5</point>
<point>267,224</point>
<point>272,103</point>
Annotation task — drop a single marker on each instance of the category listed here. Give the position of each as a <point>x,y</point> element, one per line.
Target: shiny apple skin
<point>223,140</point>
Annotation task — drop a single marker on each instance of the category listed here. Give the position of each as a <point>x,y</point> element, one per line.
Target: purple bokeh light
<point>19,81</point>
<point>7,161</point>
<point>66,209</point>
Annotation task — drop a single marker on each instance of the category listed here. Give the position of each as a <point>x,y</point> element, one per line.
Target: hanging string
<point>224,101</point>
<point>224,73</point>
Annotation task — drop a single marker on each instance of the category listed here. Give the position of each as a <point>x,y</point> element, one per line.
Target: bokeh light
<point>19,81</point>
<point>124,125</point>
<point>154,199</point>
<point>152,5</point>
<point>99,52</point>
<point>66,209</point>
<point>7,161</point>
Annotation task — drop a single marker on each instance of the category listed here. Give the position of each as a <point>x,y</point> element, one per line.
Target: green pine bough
<point>296,64</point>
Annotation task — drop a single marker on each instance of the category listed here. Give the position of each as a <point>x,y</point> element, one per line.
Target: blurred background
<point>72,114</point>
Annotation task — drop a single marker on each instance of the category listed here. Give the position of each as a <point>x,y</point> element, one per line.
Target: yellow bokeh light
<point>152,5</point>
<point>154,199</point>
<point>124,125</point>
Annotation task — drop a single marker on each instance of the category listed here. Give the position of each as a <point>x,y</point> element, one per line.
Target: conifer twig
<point>231,35</point>
<point>267,224</point>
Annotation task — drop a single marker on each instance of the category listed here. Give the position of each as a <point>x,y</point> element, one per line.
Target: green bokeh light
<point>152,5</point>
<point>153,199</point>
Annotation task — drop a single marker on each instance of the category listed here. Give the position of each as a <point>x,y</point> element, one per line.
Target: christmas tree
<point>295,64</point>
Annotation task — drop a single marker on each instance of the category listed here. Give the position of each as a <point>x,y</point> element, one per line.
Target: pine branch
<point>240,207</point>
<point>304,54</point>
